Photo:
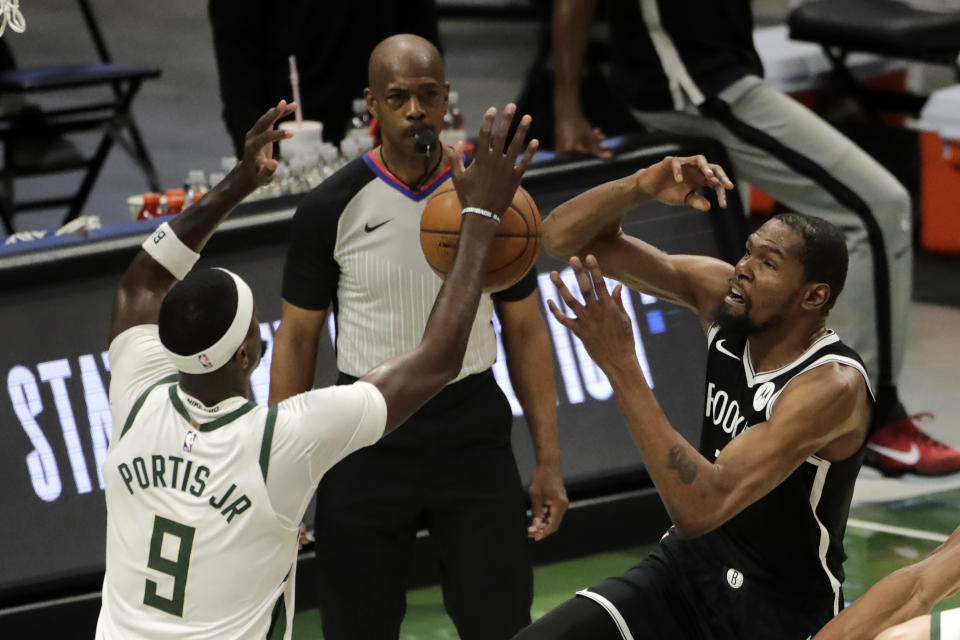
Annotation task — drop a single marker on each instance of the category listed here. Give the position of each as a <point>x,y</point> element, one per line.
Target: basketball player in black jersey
<point>760,510</point>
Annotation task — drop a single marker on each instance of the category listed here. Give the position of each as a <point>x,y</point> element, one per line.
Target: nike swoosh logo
<point>906,457</point>
<point>368,228</point>
<point>724,351</point>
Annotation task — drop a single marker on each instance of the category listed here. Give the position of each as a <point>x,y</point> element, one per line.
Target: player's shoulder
<point>330,197</point>
<point>332,412</point>
<point>141,336</point>
<point>832,385</point>
<point>329,400</point>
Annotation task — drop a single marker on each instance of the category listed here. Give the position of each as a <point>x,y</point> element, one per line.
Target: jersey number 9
<point>175,568</point>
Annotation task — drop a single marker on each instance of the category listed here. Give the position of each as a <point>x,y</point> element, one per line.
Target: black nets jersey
<point>790,540</point>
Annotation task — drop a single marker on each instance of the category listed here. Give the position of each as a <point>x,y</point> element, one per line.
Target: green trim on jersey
<point>935,626</point>
<point>267,441</point>
<point>213,424</point>
<point>278,620</point>
<point>143,398</point>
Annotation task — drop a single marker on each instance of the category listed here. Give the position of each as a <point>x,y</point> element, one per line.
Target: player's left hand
<point>493,177</point>
<point>676,180</point>
<point>258,164</point>
<point>600,322</point>
<point>548,500</point>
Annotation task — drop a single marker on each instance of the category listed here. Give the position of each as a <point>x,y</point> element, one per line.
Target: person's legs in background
<point>790,153</point>
<point>366,528</point>
<point>251,80</point>
<point>477,515</point>
<point>478,525</point>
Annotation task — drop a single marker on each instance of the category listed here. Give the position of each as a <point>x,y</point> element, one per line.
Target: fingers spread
<point>561,317</point>
<point>704,166</point>
<point>617,296</point>
<point>565,294</point>
<point>721,194</point>
<point>583,279</point>
<point>717,169</point>
<point>454,158</point>
<point>271,116</point>
<point>500,139</point>
<point>528,156</point>
<point>270,136</point>
<point>516,145</point>
<point>486,126</point>
<point>599,285</point>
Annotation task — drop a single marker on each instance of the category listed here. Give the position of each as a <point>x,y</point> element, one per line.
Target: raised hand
<point>600,322</point>
<point>491,180</point>
<point>258,165</point>
<point>676,180</point>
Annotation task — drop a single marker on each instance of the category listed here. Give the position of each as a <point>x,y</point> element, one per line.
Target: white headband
<point>222,351</point>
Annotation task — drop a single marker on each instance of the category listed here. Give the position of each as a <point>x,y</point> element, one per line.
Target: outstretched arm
<point>490,182</point>
<point>903,595</point>
<point>590,223</point>
<point>815,410</point>
<point>145,283</point>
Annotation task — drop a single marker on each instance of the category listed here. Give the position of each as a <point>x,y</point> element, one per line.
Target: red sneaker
<point>902,447</point>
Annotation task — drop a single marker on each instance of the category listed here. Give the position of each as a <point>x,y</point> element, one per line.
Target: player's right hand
<point>676,180</point>
<point>493,177</point>
<point>575,136</point>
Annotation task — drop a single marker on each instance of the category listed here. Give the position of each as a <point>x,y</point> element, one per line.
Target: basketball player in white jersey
<point>205,490</point>
<point>899,605</point>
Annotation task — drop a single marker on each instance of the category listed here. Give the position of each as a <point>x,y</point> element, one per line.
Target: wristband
<point>166,248</point>
<point>480,212</point>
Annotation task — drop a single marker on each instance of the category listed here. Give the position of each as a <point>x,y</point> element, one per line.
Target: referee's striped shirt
<point>355,246</point>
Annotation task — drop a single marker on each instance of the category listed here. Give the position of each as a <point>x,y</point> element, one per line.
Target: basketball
<point>514,249</point>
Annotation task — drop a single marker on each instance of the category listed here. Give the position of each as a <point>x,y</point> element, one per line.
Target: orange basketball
<point>514,249</point>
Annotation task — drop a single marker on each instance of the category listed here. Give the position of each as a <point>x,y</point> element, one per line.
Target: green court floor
<point>880,538</point>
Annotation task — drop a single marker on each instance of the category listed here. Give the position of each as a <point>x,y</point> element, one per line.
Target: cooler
<point>940,171</point>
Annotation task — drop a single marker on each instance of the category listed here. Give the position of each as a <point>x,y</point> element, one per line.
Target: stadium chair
<point>885,27</point>
<point>111,116</point>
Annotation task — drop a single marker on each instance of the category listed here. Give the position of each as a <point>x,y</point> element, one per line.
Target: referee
<point>354,249</point>
<point>690,68</point>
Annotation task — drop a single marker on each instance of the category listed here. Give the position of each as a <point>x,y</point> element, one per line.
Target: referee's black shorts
<point>449,469</point>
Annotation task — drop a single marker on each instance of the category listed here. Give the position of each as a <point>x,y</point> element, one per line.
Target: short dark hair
<point>824,253</point>
<point>197,311</point>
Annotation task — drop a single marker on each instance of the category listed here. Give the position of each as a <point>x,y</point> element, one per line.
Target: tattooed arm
<point>824,411</point>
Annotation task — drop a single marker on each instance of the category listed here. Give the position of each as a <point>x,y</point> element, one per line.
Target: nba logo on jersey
<point>189,439</point>
<point>205,361</point>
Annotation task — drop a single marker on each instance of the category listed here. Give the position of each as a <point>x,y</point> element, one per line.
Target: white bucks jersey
<point>194,547</point>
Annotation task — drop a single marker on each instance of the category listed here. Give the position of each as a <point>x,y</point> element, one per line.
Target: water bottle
<point>454,127</point>
<point>196,186</point>
<point>175,200</point>
<point>331,160</point>
<point>359,124</point>
<point>151,206</point>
